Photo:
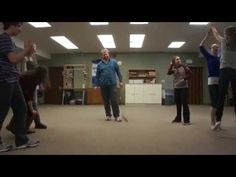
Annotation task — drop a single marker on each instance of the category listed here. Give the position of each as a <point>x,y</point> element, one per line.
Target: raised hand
<point>30,48</point>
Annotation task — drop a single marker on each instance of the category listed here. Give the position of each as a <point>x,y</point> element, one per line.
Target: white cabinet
<point>143,93</point>
<point>129,93</point>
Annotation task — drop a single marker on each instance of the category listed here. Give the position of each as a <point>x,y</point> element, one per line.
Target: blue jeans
<point>11,95</point>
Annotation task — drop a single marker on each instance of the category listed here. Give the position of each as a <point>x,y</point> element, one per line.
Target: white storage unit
<point>143,93</point>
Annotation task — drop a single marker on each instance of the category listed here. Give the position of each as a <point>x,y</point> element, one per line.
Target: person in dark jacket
<point>31,64</point>
<point>28,82</point>
<point>11,95</point>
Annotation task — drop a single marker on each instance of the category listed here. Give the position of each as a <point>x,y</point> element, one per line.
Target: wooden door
<point>196,86</point>
<point>53,95</point>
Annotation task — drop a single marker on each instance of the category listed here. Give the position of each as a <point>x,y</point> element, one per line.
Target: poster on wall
<point>94,70</point>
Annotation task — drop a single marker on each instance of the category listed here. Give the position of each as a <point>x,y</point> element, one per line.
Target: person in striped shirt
<point>10,91</point>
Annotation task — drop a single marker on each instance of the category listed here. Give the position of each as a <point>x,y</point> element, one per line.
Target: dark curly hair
<point>6,25</point>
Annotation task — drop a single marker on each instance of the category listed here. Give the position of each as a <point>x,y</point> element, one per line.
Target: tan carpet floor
<point>82,130</point>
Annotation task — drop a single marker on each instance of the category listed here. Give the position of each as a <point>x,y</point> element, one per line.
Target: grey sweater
<point>228,57</point>
<point>181,75</point>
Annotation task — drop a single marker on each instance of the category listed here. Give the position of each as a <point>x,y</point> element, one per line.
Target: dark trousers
<point>37,120</point>
<point>30,118</point>
<point>181,99</point>
<point>214,94</point>
<point>109,95</point>
<point>226,75</point>
<point>28,122</point>
<point>11,96</point>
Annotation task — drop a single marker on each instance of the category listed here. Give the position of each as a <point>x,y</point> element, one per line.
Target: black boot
<point>38,124</point>
<point>176,120</point>
<point>30,131</point>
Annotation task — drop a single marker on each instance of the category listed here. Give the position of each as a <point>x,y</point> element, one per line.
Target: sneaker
<point>186,123</point>
<point>118,119</point>
<point>212,127</point>
<point>40,126</point>
<point>29,144</point>
<point>108,118</point>
<point>5,147</point>
<point>216,126</point>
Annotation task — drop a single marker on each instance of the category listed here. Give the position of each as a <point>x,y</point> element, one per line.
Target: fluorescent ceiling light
<point>138,23</point>
<point>62,40</point>
<point>198,23</point>
<point>98,23</point>
<point>107,40</point>
<point>136,40</point>
<point>176,44</point>
<point>40,24</point>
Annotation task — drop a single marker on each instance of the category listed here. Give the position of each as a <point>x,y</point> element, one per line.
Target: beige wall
<point>158,61</point>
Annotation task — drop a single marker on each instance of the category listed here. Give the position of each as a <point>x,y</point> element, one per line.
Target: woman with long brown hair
<point>28,82</point>
<point>181,75</point>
